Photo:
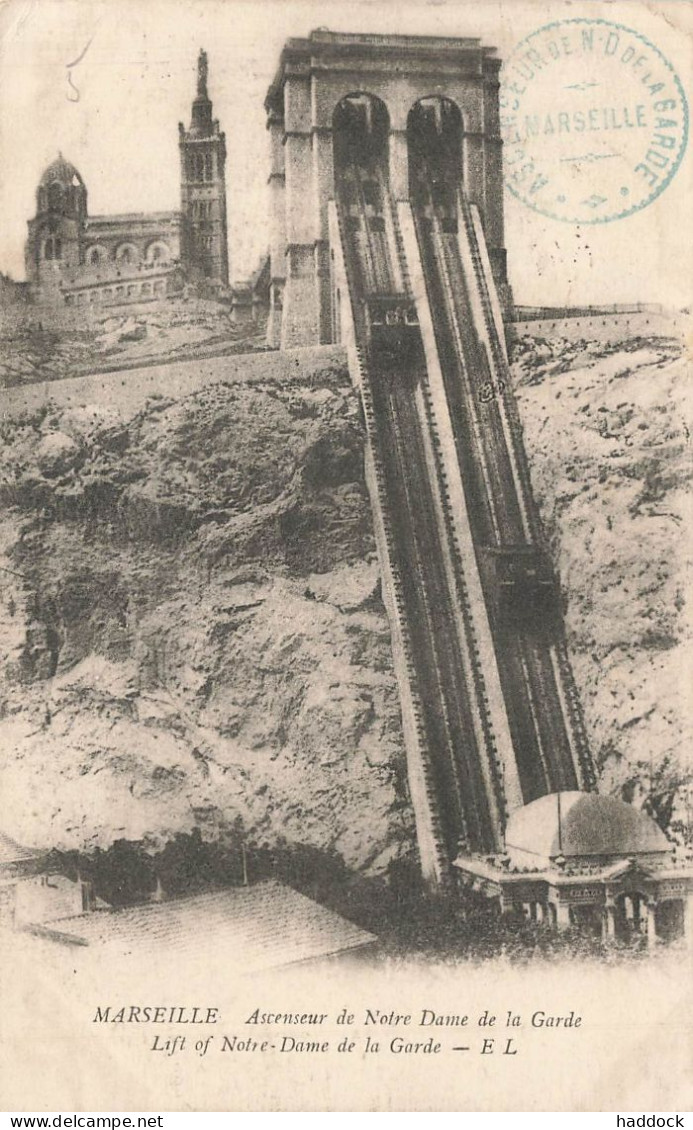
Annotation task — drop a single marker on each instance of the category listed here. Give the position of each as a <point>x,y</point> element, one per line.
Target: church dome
<point>576,824</point>
<point>63,172</point>
<point>61,191</point>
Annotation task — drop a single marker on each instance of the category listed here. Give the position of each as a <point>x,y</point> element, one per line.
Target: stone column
<point>493,166</point>
<point>323,182</point>
<point>323,176</point>
<point>473,169</point>
<point>651,922</point>
<point>562,915</point>
<point>507,903</point>
<point>301,313</point>
<point>277,204</point>
<point>609,921</point>
<point>399,164</point>
<point>494,225</point>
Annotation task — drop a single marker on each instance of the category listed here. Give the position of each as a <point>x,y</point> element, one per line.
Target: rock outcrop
<point>194,635</point>
<point>607,432</point>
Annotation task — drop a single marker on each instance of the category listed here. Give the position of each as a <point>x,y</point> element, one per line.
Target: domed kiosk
<point>582,828</point>
<point>588,861</point>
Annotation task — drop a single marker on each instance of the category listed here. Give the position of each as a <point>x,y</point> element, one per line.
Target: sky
<point>135,80</point>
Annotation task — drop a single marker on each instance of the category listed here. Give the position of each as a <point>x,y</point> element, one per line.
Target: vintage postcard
<point>345,679</point>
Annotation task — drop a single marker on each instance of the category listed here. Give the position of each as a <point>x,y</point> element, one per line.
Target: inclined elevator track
<point>462,773</point>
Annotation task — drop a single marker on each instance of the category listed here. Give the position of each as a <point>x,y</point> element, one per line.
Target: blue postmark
<point>594,121</point>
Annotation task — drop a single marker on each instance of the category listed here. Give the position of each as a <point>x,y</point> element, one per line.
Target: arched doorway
<point>434,143</point>
<point>587,917</point>
<point>630,915</point>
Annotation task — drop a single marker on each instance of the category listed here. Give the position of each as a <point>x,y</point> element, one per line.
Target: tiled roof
<point>12,852</point>
<point>250,928</point>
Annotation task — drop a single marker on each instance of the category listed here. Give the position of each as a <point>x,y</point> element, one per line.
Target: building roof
<point>132,219</point>
<point>12,852</point>
<point>582,824</point>
<point>263,926</point>
<point>62,171</point>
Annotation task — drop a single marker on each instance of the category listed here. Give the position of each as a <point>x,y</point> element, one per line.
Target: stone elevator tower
<point>388,237</point>
<point>204,244</point>
<point>314,75</point>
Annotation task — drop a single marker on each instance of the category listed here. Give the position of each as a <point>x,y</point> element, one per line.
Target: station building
<point>575,859</point>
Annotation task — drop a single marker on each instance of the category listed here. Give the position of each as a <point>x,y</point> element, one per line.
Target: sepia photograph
<point>345,541</point>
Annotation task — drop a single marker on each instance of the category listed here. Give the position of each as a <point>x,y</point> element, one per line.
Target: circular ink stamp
<point>594,121</point>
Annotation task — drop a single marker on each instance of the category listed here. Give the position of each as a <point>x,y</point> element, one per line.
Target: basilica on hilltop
<point>78,259</point>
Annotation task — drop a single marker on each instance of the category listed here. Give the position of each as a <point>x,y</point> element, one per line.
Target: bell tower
<point>204,248</point>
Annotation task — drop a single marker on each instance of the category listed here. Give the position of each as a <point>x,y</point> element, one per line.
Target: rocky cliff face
<point>193,632</point>
<point>607,432</point>
<point>46,343</point>
<point>191,622</point>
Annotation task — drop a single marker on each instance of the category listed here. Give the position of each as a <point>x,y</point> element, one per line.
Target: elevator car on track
<point>393,331</point>
<point>437,203</point>
<point>522,585</point>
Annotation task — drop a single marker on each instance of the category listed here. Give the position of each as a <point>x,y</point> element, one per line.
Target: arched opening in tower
<point>434,143</point>
<point>55,196</point>
<point>361,129</point>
